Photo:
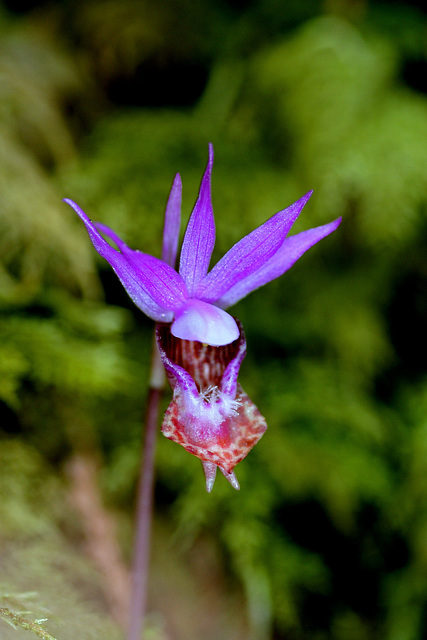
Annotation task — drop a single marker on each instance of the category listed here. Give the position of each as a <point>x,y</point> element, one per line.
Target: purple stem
<point>141,559</point>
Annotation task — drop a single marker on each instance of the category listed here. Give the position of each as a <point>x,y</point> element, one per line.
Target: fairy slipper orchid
<point>201,345</point>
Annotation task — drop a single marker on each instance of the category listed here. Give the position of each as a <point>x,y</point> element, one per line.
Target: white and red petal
<point>210,415</point>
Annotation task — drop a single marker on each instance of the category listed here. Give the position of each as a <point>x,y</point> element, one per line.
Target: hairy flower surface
<point>200,344</point>
<point>210,415</point>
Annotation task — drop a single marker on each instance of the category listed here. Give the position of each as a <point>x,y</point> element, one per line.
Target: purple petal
<point>107,231</point>
<point>163,283</point>
<point>199,237</point>
<point>228,384</point>
<point>292,249</point>
<point>201,321</point>
<point>177,375</point>
<point>153,285</point>
<point>250,254</point>
<point>172,223</point>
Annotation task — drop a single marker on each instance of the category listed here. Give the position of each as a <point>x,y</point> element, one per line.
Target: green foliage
<point>39,244</point>
<point>327,537</point>
<point>358,137</point>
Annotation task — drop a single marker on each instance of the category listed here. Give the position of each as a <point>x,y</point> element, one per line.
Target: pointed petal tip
<point>211,153</point>
<point>177,181</point>
<point>70,202</point>
<point>199,237</point>
<point>305,198</point>
<point>231,477</point>
<point>209,484</point>
<point>209,166</point>
<point>172,223</point>
<point>328,228</point>
<point>77,209</point>
<point>209,469</point>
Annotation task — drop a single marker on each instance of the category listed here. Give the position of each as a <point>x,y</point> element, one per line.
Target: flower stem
<point>141,559</point>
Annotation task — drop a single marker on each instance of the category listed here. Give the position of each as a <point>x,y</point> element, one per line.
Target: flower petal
<point>225,441</point>
<point>231,478</point>
<point>172,223</point>
<point>292,249</point>
<point>250,253</point>
<point>209,469</point>
<point>164,283</point>
<point>199,237</point>
<point>153,285</point>
<point>201,321</point>
<point>217,427</point>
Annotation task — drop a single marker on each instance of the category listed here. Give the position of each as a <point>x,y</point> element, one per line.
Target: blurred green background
<point>104,101</point>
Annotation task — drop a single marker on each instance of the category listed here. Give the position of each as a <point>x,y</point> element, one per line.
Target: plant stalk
<point>144,511</point>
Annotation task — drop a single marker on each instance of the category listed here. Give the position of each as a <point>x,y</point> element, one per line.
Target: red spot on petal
<point>243,432</point>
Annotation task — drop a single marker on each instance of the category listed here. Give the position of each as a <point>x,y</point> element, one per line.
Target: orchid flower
<point>201,345</point>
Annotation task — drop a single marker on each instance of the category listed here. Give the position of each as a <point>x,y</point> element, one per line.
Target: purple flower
<point>201,345</point>
<point>193,299</point>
